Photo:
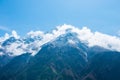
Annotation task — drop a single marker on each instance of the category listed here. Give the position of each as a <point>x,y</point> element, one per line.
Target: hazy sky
<point>26,15</point>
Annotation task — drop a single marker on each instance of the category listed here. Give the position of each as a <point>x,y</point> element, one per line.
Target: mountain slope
<point>64,54</point>
<point>5,59</point>
<point>54,61</point>
<point>17,64</point>
<point>103,66</point>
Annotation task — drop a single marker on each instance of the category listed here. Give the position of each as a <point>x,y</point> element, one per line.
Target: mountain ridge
<point>62,59</point>
<point>32,42</point>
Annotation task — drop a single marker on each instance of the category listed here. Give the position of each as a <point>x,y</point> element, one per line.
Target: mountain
<point>55,61</point>
<point>4,60</point>
<point>64,54</point>
<point>103,66</point>
<point>15,65</point>
<point>15,45</point>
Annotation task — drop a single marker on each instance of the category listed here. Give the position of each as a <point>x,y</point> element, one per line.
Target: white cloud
<point>104,40</point>
<point>6,36</point>
<point>84,34</point>
<point>92,38</point>
<point>14,50</point>
<point>5,29</point>
<point>14,34</point>
<point>33,34</point>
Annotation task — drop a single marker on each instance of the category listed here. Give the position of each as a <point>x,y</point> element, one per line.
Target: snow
<point>85,35</point>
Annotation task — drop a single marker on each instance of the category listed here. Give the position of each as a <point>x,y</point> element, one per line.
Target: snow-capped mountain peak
<point>32,42</point>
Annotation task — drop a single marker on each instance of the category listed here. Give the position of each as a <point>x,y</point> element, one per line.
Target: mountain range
<point>66,53</point>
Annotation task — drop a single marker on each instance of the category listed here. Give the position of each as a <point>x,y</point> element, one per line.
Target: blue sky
<point>26,15</point>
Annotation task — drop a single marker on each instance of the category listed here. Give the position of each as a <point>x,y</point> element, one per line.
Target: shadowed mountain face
<point>65,63</point>
<point>103,66</point>
<point>65,58</point>
<point>12,68</point>
<point>4,60</point>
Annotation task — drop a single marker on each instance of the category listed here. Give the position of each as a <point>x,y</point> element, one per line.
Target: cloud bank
<point>33,41</point>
